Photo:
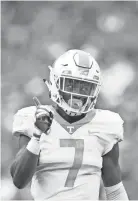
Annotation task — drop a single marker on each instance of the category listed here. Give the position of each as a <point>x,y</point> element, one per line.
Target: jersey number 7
<point>78,144</point>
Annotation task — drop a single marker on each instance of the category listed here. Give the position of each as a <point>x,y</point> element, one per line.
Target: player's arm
<point>26,160</point>
<point>25,163</point>
<point>111,175</point>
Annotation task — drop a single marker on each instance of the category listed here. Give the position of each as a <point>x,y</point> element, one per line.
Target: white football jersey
<point>70,159</point>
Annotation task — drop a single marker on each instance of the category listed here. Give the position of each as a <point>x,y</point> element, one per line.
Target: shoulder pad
<point>108,116</point>
<point>24,121</point>
<point>108,126</point>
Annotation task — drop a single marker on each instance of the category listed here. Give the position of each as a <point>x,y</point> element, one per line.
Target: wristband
<point>116,192</point>
<point>33,146</point>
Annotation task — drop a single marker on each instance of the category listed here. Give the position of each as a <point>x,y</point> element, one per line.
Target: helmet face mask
<point>77,86</point>
<point>73,85</point>
<point>74,101</point>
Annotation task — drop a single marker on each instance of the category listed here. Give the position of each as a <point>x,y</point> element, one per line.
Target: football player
<point>67,147</point>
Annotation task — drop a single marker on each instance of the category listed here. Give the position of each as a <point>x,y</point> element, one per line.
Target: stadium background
<point>35,33</point>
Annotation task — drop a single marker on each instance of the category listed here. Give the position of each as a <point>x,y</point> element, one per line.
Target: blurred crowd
<point>35,33</point>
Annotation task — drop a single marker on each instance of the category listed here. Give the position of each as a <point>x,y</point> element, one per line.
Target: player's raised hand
<point>43,116</point>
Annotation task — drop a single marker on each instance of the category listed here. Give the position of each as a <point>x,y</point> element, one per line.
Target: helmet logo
<point>68,72</point>
<point>96,77</point>
<point>84,72</point>
<point>65,64</point>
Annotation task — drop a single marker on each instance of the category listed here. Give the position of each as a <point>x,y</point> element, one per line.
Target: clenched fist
<point>43,116</point>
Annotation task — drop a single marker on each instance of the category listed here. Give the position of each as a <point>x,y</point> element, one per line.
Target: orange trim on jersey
<point>72,127</point>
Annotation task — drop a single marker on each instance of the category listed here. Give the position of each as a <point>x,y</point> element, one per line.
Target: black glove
<point>44,117</point>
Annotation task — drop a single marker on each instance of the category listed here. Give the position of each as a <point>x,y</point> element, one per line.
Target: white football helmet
<point>74,82</point>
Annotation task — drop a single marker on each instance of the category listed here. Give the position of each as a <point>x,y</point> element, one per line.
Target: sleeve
<point>109,130</point>
<point>110,140</point>
<point>24,122</point>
